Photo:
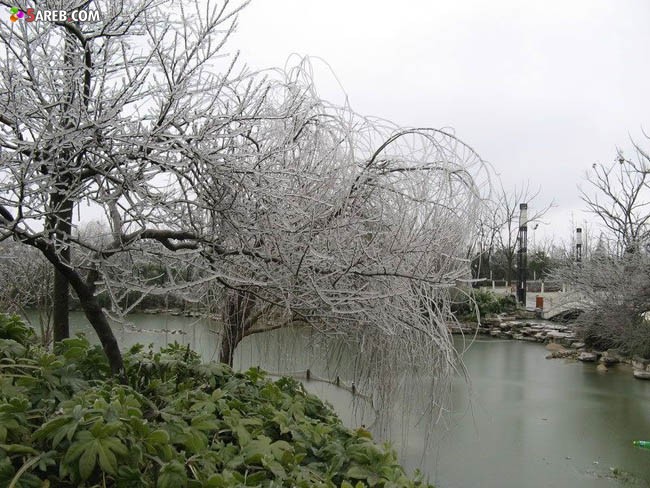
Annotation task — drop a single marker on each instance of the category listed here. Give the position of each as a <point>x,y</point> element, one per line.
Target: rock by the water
<point>521,330</point>
<point>588,357</point>
<point>554,334</point>
<point>602,368</point>
<point>642,374</point>
<point>563,354</point>
<point>610,357</point>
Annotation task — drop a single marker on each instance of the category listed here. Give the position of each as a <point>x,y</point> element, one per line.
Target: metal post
<point>578,245</point>
<point>522,254</point>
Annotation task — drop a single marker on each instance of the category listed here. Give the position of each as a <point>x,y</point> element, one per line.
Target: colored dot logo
<point>16,14</point>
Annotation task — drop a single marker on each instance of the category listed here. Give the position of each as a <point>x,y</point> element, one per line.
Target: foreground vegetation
<point>177,423</point>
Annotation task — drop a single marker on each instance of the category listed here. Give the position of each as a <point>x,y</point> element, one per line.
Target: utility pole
<point>578,244</point>
<point>522,253</point>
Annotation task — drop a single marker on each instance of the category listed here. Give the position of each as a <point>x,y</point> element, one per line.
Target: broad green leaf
<point>18,449</point>
<point>242,434</point>
<point>275,468</point>
<point>172,475</point>
<point>205,423</point>
<point>358,472</point>
<point>107,460</point>
<point>158,437</point>
<point>87,461</point>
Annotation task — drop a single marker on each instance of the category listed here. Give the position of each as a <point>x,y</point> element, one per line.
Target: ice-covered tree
<point>611,285</point>
<point>244,186</point>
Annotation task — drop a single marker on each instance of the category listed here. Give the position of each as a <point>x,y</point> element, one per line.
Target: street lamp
<point>522,257</point>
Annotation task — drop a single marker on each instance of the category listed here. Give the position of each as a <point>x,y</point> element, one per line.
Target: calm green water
<point>523,421</point>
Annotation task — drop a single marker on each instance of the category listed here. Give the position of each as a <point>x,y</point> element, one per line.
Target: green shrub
<point>177,423</point>
<point>486,302</point>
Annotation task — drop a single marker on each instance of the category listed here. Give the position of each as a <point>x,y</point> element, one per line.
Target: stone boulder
<point>565,338</point>
<point>527,331</point>
<point>640,363</point>
<point>554,346</point>
<point>642,374</point>
<point>588,357</point>
<point>610,357</point>
<point>562,354</point>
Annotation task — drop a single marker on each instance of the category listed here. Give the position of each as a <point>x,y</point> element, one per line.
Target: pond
<point>522,420</point>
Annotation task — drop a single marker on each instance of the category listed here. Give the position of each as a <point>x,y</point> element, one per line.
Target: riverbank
<point>560,339</point>
<point>521,328</point>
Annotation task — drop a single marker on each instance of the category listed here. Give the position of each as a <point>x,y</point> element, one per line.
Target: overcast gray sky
<point>541,90</point>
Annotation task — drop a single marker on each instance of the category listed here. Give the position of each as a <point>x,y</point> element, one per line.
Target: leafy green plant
<point>177,423</point>
<point>12,328</point>
<point>486,302</point>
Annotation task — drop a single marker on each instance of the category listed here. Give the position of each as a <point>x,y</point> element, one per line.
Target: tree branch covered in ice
<point>218,182</point>
<point>611,284</point>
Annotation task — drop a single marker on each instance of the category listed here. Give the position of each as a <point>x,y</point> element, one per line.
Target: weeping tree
<point>242,186</point>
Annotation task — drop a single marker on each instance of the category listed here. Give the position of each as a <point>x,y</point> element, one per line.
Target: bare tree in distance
<point>297,212</point>
<point>500,225</point>
<point>619,196</point>
<point>612,284</point>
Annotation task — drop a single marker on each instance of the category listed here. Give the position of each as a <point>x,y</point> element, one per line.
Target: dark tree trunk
<point>85,290</point>
<point>232,336</point>
<point>60,221</point>
<point>60,307</point>
<point>97,318</point>
<point>62,226</point>
<point>510,267</point>
<point>239,305</point>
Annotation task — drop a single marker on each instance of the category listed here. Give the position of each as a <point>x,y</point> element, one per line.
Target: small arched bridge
<point>556,303</point>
